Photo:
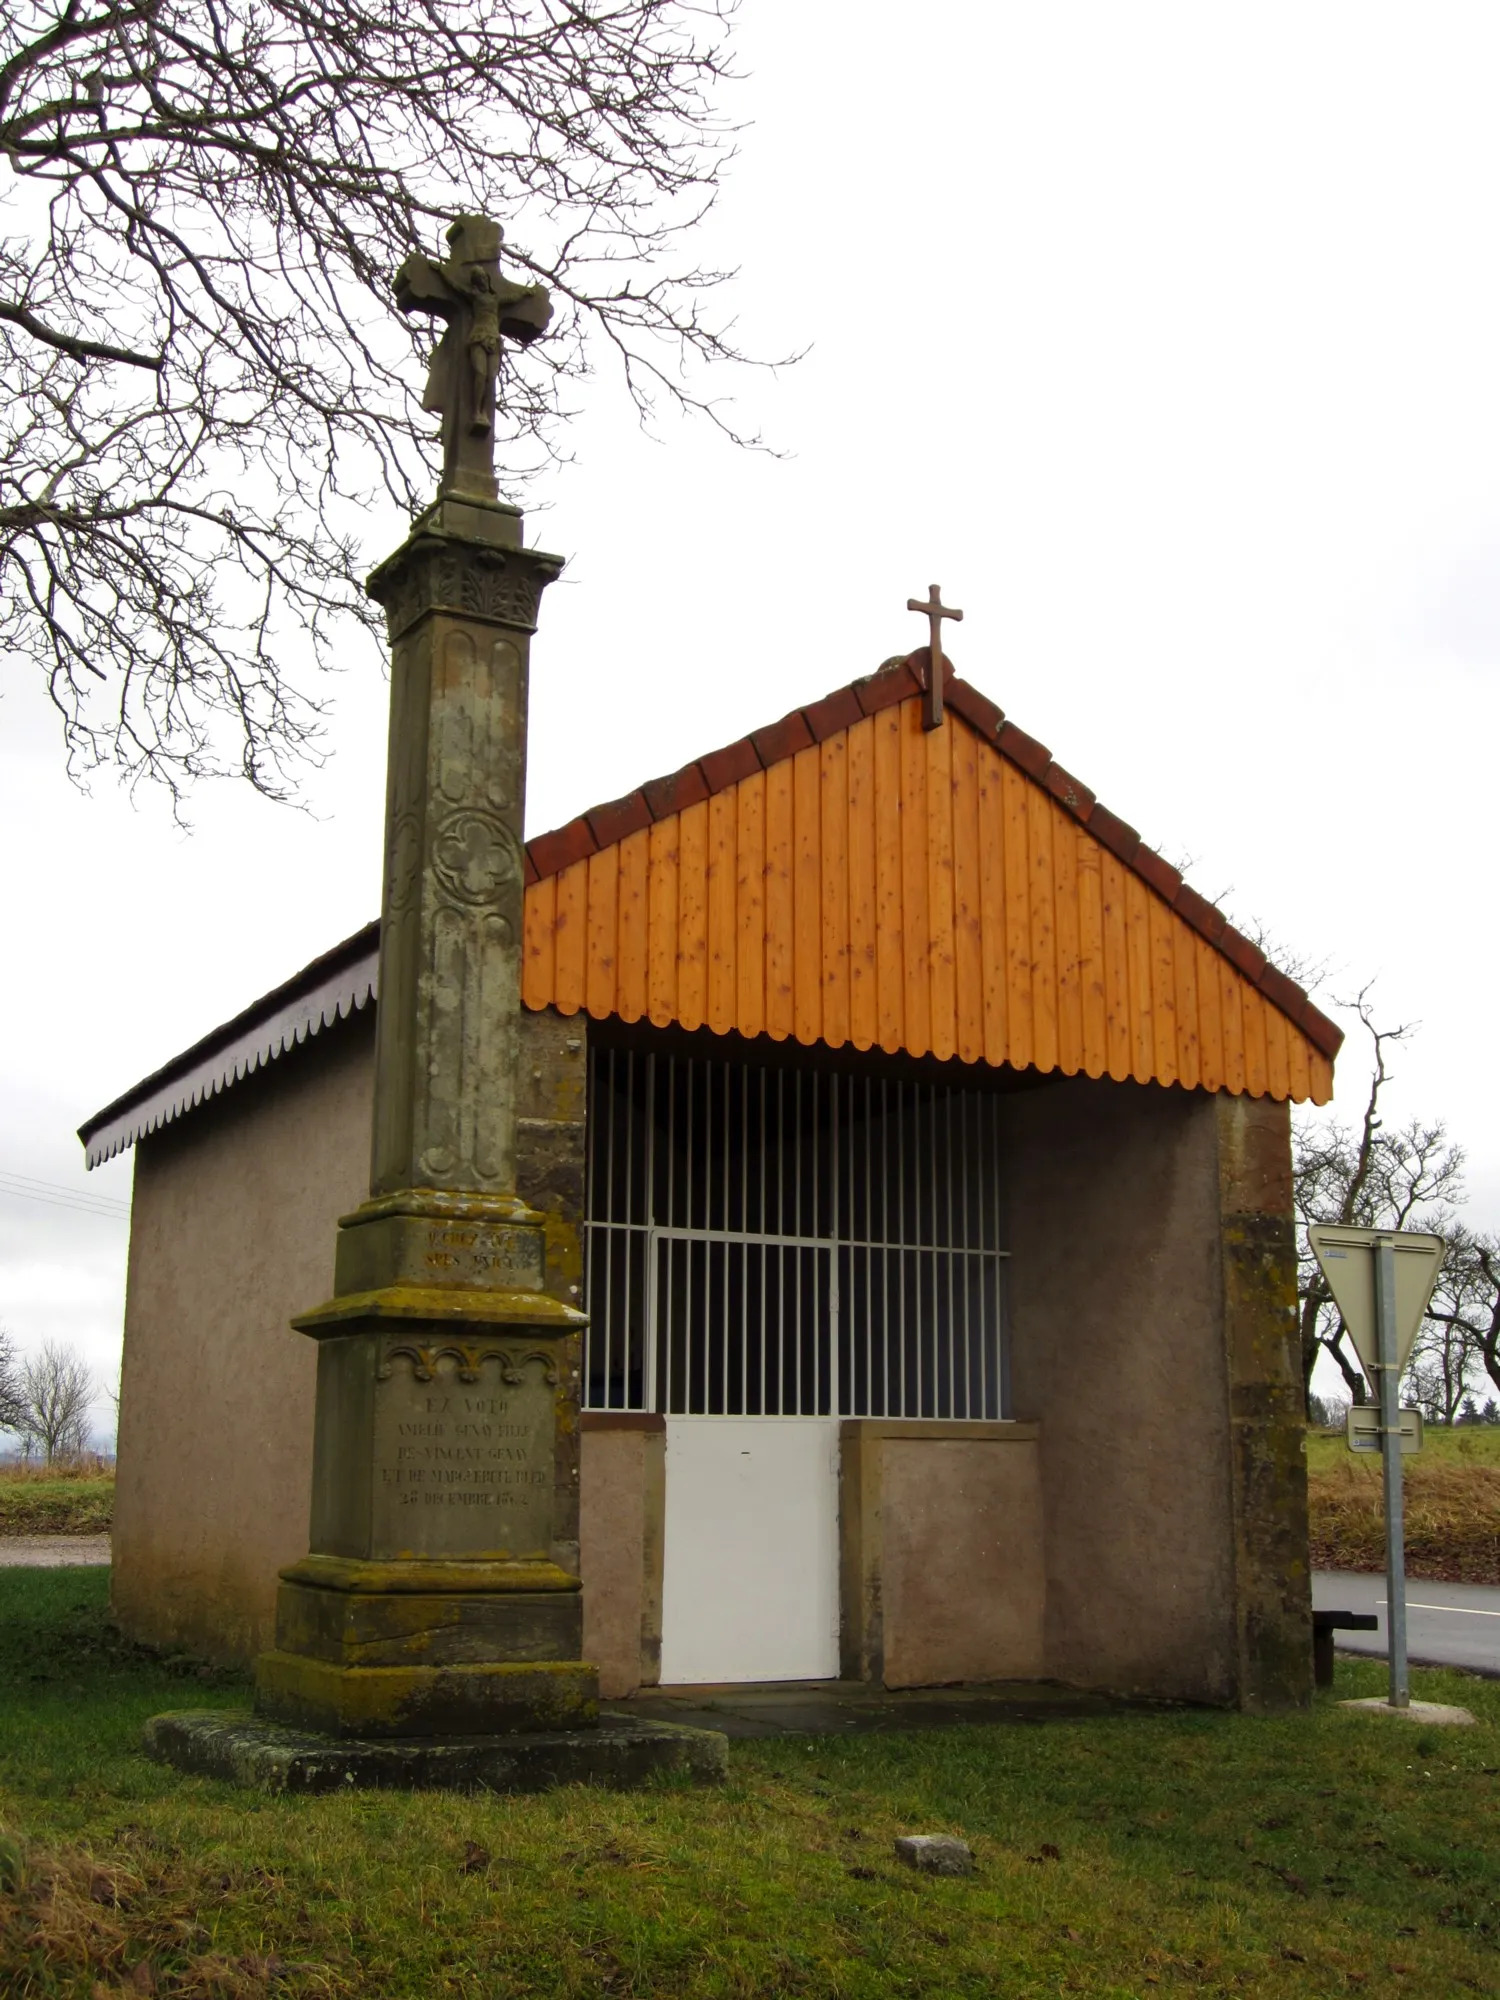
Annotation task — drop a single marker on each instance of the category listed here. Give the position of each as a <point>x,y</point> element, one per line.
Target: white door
<point>751,1584</point>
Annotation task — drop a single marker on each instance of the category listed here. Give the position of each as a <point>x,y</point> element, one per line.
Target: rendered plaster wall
<point>1154,1351</point>
<point>624,1490</point>
<point>232,1231</point>
<point>941,1552</point>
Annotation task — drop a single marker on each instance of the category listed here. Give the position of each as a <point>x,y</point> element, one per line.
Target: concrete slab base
<point>1441,1714</point>
<point>618,1754</point>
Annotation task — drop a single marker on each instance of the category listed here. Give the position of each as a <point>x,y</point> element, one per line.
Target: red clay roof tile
<point>1162,876</point>
<point>782,739</point>
<point>1204,916</point>
<point>1069,791</point>
<point>1116,834</point>
<point>1033,757</point>
<point>552,852</point>
<point>729,765</point>
<point>619,819</point>
<point>836,711</point>
<point>684,788</point>
<point>976,709</point>
<point>1238,949</point>
<point>884,689</point>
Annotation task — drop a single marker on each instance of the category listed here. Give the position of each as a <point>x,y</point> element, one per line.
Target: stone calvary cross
<point>438,1611</point>
<point>480,308</point>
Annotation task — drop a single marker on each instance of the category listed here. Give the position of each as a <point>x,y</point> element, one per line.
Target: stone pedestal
<point>440,1595</point>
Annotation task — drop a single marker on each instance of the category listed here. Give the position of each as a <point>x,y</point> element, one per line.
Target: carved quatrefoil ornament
<point>476,857</point>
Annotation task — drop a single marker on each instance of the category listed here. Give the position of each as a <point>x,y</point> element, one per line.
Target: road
<point>1447,1624</point>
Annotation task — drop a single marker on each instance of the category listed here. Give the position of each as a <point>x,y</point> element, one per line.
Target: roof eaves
<point>330,988</point>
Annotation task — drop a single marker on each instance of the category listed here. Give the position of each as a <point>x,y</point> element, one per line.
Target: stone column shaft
<point>439,1595</point>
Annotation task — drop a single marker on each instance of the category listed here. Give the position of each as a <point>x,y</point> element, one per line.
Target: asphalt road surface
<point>1447,1624</point>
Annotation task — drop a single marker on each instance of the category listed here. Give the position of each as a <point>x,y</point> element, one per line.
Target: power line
<point>28,1189</point>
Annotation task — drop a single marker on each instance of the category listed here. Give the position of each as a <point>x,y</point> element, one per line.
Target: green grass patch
<point>1200,1852</point>
<point>1452,1505</point>
<point>1467,1445</point>
<point>74,1501</point>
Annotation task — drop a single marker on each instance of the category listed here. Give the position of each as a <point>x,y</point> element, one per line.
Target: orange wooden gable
<point>846,877</point>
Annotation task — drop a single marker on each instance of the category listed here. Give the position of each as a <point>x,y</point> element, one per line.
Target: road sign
<point>1347,1258</point>
<point>1382,1281</point>
<point>1362,1428</point>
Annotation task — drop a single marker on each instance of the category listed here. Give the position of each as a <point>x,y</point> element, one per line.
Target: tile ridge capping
<point>895,681</point>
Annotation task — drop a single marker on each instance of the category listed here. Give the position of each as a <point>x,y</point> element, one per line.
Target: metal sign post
<point>1381,1281</point>
<point>1388,1372</point>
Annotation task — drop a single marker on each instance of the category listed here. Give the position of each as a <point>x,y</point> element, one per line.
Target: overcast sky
<point>1165,338</point>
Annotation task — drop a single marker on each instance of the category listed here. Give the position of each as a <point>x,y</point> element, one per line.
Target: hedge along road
<point>1447,1624</point>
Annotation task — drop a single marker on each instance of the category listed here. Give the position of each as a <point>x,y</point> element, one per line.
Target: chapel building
<point>918,1144</point>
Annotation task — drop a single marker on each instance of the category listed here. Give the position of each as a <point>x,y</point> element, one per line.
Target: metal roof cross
<point>935,611</point>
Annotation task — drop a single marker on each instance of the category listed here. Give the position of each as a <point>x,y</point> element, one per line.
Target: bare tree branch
<point>206,388</point>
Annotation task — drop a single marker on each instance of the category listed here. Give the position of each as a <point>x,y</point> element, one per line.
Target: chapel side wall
<point>233,1223</point>
<point>232,1231</point>
<point>1118,1351</point>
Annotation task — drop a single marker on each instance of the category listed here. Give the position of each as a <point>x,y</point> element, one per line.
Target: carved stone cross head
<point>479,308</point>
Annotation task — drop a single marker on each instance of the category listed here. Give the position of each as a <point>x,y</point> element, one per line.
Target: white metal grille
<point>791,1242</point>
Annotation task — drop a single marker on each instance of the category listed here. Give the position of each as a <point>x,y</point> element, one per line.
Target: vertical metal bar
<point>658,1399</point>
<point>764,1231</point>
<point>869,1409</point>
<point>744,1247</point>
<point>815,1269</point>
<point>952,1341</point>
<point>967,1102</point>
<point>609,1240</point>
<point>591,1101</point>
<point>901,1091</point>
<point>799,1141</point>
<point>1390,1446</point>
<point>1001,1335</point>
<point>726,1261</point>
<point>781,1251</point>
<point>885,1254</point>
<point>835,1105</point>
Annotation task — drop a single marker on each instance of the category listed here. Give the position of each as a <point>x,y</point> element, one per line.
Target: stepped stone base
<point>619,1753</point>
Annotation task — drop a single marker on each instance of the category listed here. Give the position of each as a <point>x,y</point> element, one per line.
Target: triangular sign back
<point>1347,1258</point>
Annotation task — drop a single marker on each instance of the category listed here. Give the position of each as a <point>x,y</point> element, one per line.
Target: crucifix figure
<point>479,307</point>
<point>935,612</point>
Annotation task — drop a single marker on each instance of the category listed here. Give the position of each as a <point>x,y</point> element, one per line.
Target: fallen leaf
<point>143,1979</point>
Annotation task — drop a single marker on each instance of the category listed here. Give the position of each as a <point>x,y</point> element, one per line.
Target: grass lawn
<point>1184,1851</point>
<point>1452,1505</point>
<point>34,1501</point>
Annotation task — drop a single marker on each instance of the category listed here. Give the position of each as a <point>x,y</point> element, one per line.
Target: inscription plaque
<point>463,1467</point>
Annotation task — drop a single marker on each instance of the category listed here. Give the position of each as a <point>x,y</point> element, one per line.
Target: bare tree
<point>56,1391</point>
<point>1466,1304</point>
<point>12,1408</point>
<point>1371,1177</point>
<point>204,382</point>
